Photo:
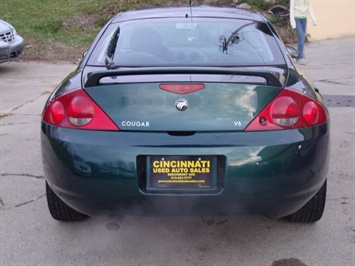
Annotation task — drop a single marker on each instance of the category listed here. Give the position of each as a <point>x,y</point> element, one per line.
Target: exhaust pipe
<point>114,223</point>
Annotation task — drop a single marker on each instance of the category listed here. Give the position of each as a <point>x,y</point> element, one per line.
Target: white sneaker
<point>302,61</point>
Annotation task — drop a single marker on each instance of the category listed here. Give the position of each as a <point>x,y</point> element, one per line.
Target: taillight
<point>76,109</point>
<point>284,111</point>
<point>181,88</point>
<point>290,109</point>
<point>80,111</point>
<point>311,112</point>
<point>56,113</point>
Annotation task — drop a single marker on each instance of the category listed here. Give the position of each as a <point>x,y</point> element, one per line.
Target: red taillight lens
<point>181,88</point>
<point>81,111</point>
<point>56,113</point>
<point>311,113</point>
<point>76,109</point>
<point>284,111</point>
<point>290,109</point>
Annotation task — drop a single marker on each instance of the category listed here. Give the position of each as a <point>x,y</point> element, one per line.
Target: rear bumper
<point>268,173</point>
<point>11,50</point>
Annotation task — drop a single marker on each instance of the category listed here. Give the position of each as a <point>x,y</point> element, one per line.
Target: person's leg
<point>304,27</point>
<point>301,25</point>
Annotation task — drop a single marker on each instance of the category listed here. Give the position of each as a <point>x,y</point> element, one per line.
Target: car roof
<point>185,11</point>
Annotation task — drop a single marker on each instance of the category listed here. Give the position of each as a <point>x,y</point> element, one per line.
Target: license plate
<point>181,172</point>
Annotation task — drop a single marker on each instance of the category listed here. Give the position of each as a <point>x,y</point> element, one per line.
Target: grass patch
<point>43,20</point>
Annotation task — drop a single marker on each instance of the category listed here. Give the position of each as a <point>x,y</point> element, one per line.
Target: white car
<point>11,44</point>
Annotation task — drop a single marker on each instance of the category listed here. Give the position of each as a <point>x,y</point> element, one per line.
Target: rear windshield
<point>174,42</point>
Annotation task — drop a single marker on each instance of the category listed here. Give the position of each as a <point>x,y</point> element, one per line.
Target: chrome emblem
<point>181,104</point>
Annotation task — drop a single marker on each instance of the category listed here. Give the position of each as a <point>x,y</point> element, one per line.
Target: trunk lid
<point>140,100</point>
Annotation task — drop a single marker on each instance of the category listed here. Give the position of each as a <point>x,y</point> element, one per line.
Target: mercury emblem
<point>181,104</point>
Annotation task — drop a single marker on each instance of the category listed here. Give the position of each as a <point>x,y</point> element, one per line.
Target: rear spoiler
<point>274,76</point>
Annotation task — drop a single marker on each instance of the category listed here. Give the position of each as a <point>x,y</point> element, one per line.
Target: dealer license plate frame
<point>203,177</point>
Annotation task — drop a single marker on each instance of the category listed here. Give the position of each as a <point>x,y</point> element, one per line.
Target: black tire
<point>313,210</point>
<point>61,211</point>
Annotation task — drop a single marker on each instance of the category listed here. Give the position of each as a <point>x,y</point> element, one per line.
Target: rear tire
<point>61,211</point>
<point>313,210</point>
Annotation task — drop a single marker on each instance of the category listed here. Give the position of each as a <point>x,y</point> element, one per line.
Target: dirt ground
<point>52,52</point>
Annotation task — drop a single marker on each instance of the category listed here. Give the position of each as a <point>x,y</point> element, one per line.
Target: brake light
<point>56,113</point>
<point>284,111</point>
<point>290,109</point>
<point>76,109</point>
<point>181,88</point>
<point>80,111</point>
<point>311,112</point>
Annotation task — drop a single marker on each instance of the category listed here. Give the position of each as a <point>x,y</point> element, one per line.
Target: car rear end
<point>218,123</point>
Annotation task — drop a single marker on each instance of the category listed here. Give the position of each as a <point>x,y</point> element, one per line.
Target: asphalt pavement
<point>29,236</point>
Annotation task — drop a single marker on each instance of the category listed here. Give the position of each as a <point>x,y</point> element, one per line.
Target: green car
<point>186,111</point>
